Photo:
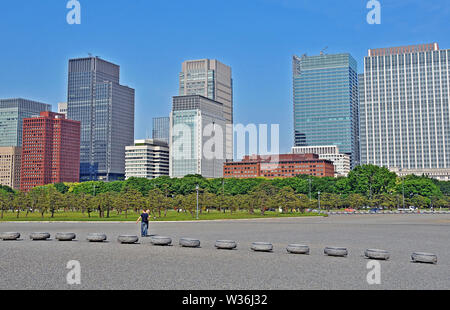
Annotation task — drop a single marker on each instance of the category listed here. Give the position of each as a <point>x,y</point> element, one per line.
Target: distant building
<point>326,102</point>
<point>405,110</point>
<point>329,152</point>
<point>279,166</point>
<point>191,117</point>
<point>161,129</point>
<point>62,108</point>
<point>50,152</point>
<point>10,163</point>
<point>211,79</point>
<point>147,159</point>
<point>12,113</point>
<point>106,112</point>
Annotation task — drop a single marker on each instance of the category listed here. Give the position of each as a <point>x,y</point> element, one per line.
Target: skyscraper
<point>106,112</point>
<point>51,150</point>
<point>326,102</point>
<point>161,129</point>
<point>12,113</point>
<point>211,79</point>
<point>192,151</point>
<point>404,106</point>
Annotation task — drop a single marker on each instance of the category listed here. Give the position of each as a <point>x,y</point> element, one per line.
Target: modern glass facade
<point>404,97</point>
<point>161,129</point>
<point>211,79</point>
<point>106,112</point>
<point>12,113</point>
<point>190,116</point>
<point>326,102</point>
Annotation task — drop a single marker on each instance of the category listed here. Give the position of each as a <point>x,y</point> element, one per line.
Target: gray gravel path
<point>27,264</point>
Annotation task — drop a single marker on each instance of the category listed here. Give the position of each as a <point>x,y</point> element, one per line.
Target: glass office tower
<point>106,112</point>
<point>211,79</point>
<point>12,113</point>
<point>404,106</point>
<point>161,129</point>
<point>326,102</point>
<point>189,141</point>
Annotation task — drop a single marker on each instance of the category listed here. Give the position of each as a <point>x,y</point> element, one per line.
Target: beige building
<point>329,152</point>
<point>211,79</point>
<point>10,160</point>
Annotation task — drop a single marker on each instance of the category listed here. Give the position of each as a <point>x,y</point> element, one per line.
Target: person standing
<point>144,222</point>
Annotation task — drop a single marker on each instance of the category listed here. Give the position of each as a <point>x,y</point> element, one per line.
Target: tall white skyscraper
<point>211,79</point>
<point>404,110</point>
<point>197,129</point>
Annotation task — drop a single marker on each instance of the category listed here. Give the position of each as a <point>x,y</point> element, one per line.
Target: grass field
<point>132,216</point>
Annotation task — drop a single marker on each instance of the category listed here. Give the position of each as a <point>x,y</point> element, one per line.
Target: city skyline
<point>261,64</point>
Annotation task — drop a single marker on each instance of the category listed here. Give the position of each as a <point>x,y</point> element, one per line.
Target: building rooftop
<point>407,49</point>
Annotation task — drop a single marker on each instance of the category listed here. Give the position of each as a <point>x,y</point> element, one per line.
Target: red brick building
<point>50,150</point>
<point>279,166</point>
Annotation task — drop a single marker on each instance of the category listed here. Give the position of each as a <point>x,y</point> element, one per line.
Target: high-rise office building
<point>211,79</point>
<point>197,128</point>
<point>326,102</point>
<point>404,110</point>
<point>10,163</point>
<point>147,159</point>
<point>161,129</point>
<point>106,112</point>
<point>51,150</point>
<point>12,113</point>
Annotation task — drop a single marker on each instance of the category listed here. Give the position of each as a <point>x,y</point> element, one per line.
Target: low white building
<point>147,159</point>
<point>438,174</point>
<point>329,152</point>
<point>62,108</point>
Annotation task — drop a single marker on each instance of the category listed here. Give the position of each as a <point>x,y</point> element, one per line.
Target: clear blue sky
<point>149,39</point>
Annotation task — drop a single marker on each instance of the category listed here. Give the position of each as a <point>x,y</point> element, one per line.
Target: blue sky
<point>150,39</point>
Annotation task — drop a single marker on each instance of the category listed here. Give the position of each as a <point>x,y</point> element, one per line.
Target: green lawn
<point>171,216</point>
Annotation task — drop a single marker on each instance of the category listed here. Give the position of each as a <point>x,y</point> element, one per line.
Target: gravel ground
<point>27,264</point>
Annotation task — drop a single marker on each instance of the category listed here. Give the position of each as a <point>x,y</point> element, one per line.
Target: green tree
<point>356,201</point>
<point>413,185</point>
<point>263,194</point>
<point>5,201</point>
<point>19,202</point>
<point>370,180</point>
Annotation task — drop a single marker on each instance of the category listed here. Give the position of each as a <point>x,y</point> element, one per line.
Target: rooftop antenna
<point>321,52</point>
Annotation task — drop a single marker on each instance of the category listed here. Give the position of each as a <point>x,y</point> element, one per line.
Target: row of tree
<point>365,186</point>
